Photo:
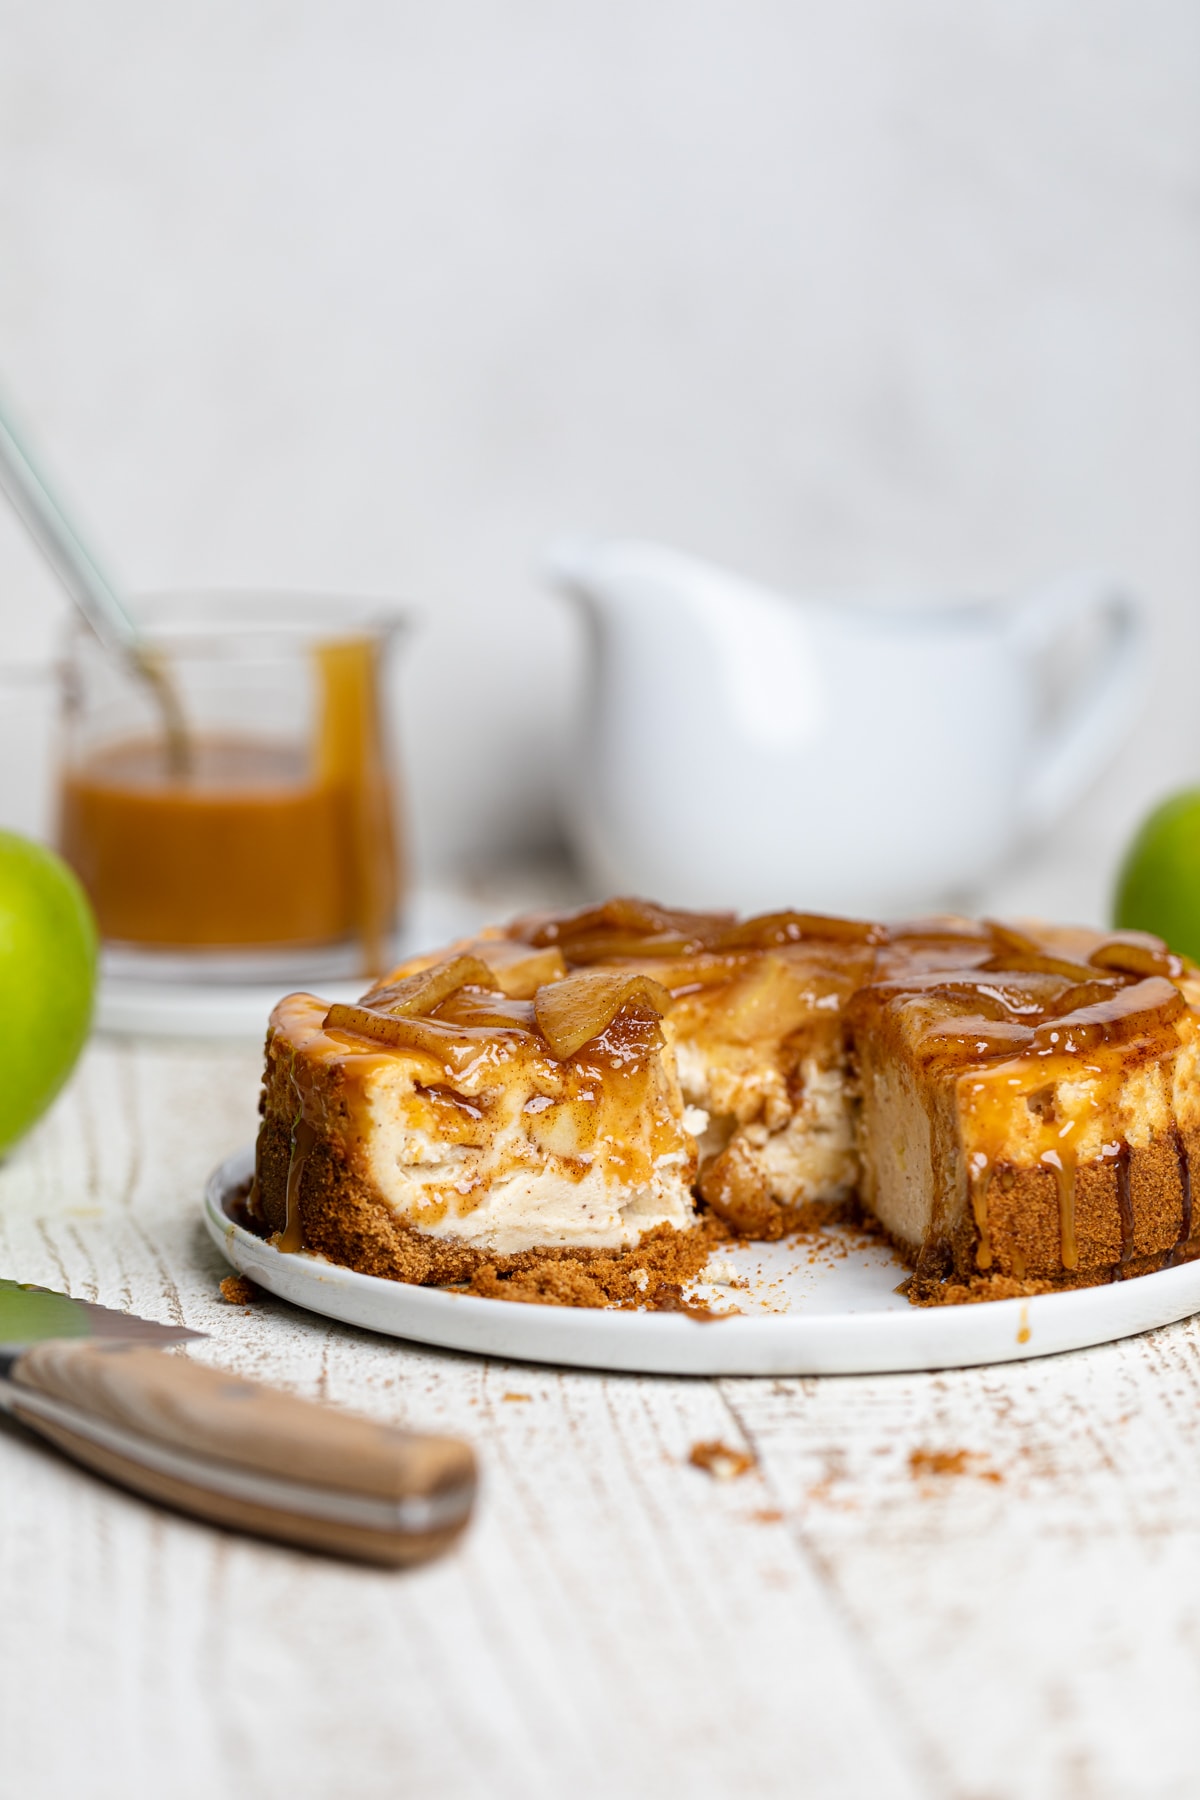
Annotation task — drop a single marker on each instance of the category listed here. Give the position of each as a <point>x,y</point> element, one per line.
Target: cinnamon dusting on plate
<point>923,1464</point>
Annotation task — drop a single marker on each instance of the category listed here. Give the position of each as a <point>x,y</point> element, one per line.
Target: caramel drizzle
<point>291,1238</point>
<point>980,1179</point>
<point>1124,1201</point>
<point>1185,1186</point>
<point>1063,1164</point>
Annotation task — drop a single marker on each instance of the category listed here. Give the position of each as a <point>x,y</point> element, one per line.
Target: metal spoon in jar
<point>42,514</point>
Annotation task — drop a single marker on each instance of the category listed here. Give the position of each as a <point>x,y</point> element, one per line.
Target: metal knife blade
<point>30,1314</point>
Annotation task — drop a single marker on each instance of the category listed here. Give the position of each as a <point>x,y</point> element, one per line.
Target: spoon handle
<point>43,517</point>
<point>39,510</point>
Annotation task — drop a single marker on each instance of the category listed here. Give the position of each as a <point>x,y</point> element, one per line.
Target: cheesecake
<point>1030,1106</point>
<point>470,1110</point>
<point>578,1105</point>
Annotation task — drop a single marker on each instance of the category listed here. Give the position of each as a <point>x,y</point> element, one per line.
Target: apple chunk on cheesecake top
<point>1017,1107</point>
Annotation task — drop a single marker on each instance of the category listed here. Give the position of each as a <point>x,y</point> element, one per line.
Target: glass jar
<point>236,817</point>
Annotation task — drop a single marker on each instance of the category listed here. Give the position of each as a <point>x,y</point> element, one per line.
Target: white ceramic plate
<point>832,1310</point>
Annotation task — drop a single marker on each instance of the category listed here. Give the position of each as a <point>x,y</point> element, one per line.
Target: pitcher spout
<point>659,597</point>
<point>614,575</point>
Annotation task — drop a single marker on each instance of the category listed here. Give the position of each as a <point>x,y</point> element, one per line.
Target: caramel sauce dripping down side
<point>304,1136</point>
<point>1185,1186</point>
<point>303,1139</point>
<point>1125,1201</point>
<point>1063,1164</point>
<point>979,1177</point>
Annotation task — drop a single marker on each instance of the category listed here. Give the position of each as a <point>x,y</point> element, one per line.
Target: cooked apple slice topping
<point>940,927</point>
<point>571,1013</point>
<point>632,914</point>
<point>769,930</point>
<point>519,970</point>
<point>1139,1010</point>
<point>1019,962</point>
<point>637,928</point>
<point>1009,938</point>
<point>449,1042</point>
<point>380,1027</point>
<point>769,999</point>
<point>624,921</point>
<point>417,995</point>
<point>1019,953</point>
<point>997,996</point>
<point>1132,956</point>
<point>625,946</point>
<point>967,999</point>
<point>378,1013</point>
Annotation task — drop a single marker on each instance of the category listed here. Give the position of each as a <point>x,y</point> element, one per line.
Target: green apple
<point>47,980</point>
<point>1158,888</point>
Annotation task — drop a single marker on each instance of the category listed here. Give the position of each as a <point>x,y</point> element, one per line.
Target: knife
<point>96,1384</point>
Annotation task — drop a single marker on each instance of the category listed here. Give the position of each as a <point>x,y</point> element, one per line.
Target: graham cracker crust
<point>345,1220</point>
<point>1024,1232</point>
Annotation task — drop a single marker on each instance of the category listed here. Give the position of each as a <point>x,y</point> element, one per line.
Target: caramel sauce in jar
<point>206,859</point>
<point>258,842</point>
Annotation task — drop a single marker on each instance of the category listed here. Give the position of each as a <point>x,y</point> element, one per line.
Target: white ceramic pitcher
<point>741,747</point>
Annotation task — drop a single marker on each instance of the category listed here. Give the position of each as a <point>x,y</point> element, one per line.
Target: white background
<point>379,296</point>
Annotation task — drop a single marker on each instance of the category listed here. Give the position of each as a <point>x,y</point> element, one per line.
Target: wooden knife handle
<point>242,1455</point>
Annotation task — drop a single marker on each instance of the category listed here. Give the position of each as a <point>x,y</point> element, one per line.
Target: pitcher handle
<point>1074,747</point>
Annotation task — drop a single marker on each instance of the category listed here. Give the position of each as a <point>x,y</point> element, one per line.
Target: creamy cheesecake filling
<point>797,1129</point>
<point>489,1140</point>
<point>527,1160</point>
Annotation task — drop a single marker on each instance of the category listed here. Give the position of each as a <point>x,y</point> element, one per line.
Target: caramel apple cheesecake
<point>576,1106</point>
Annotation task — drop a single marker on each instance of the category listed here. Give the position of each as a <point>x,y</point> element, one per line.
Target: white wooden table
<point>616,1622</point>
